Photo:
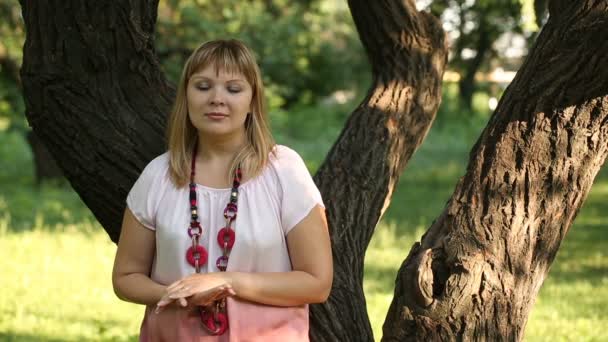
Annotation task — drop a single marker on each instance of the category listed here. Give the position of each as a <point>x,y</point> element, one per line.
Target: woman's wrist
<point>229,279</point>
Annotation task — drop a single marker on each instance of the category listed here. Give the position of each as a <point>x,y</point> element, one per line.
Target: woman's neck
<point>220,148</point>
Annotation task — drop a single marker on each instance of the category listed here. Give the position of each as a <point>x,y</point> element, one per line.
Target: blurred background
<point>56,260</point>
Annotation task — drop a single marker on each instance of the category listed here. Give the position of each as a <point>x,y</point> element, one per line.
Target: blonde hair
<point>230,56</point>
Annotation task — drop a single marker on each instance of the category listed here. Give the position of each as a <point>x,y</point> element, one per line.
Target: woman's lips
<point>216,116</point>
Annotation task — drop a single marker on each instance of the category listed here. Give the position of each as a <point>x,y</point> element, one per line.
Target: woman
<point>224,237</point>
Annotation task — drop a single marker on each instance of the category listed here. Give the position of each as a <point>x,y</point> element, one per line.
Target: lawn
<point>56,260</point>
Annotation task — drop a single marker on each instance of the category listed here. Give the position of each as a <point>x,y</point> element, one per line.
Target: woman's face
<point>218,103</point>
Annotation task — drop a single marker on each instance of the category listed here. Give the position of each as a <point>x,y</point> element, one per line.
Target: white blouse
<point>269,206</point>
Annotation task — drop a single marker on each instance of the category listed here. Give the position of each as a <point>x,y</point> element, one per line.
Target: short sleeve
<point>299,194</point>
<point>143,197</point>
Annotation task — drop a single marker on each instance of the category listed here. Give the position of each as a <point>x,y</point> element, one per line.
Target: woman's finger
<point>160,306</point>
<point>183,302</point>
<point>175,285</point>
<point>164,301</point>
<point>182,293</point>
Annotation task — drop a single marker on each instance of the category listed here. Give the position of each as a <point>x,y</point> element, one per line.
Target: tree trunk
<point>477,271</point>
<point>408,52</point>
<point>91,77</point>
<point>95,95</point>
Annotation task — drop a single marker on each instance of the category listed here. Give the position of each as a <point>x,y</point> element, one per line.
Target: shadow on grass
<point>48,208</point>
<point>25,205</point>
<point>377,278</point>
<point>582,256</point>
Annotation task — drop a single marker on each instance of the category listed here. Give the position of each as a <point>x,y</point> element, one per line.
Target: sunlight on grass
<point>59,285</point>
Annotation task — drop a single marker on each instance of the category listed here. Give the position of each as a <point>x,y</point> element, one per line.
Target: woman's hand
<point>197,290</point>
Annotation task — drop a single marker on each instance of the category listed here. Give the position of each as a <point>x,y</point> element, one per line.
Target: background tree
<point>477,25</point>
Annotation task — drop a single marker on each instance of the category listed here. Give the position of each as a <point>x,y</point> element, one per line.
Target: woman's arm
<point>309,282</point>
<point>311,260</point>
<point>134,256</point>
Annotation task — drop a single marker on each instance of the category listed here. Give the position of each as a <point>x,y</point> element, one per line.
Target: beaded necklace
<point>213,317</point>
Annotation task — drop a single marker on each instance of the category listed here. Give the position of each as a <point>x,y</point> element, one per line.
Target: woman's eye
<point>234,90</point>
<point>202,87</point>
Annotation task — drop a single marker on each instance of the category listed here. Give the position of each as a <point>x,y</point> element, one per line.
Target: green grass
<point>56,286</point>
<point>56,260</point>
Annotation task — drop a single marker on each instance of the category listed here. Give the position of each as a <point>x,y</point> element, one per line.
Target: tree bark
<point>95,95</point>
<point>408,52</point>
<point>478,269</point>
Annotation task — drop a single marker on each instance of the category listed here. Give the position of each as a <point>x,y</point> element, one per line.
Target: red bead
<point>195,231</point>
<point>226,235</point>
<point>230,211</point>
<point>193,202</point>
<point>202,252</point>
<point>217,325</point>
<point>222,263</point>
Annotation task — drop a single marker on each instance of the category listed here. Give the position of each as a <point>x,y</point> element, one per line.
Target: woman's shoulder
<point>160,160</point>
<point>287,163</point>
<point>157,166</point>
<point>282,153</point>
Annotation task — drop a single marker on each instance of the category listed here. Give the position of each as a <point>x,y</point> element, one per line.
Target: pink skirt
<point>247,321</point>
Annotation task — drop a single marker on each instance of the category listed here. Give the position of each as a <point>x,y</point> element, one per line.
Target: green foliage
<point>306,50</point>
<point>13,34</point>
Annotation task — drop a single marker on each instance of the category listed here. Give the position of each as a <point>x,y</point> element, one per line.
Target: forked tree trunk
<point>477,271</point>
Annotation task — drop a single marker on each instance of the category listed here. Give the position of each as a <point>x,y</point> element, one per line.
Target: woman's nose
<point>216,98</point>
